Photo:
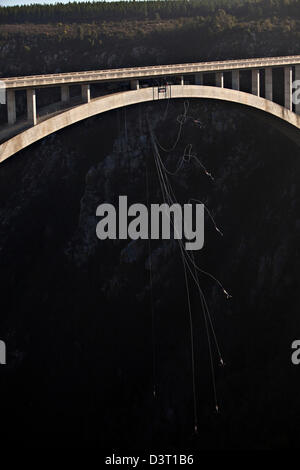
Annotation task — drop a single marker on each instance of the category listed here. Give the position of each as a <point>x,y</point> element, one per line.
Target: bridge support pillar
<point>11,107</point>
<point>297,77</point>
<point>255,82</point>
<point>86,93</point>
<point>65,93</point>
<point>288,88</point>
<point>220,79</point>
<point>182,80</point>
<point>31,105</point>
<point>199,78</point>
<point>135,85</point>
<point>235,79</point>
<point>268,84</point>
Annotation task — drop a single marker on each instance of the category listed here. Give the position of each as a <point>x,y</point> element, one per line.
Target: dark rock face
<point>76,312</point>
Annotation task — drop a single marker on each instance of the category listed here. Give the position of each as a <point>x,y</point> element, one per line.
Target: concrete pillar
<point>297,95</point>
<point>86,93</point>
<point>220,79</point>
<point>31,105</point>
<point>182,80</point>
<point>268,84</point>
<point>11,107</point>
<point>288,88</point>
<point>135,85</point>
<point>235,79</point>
<point>256,82</point>
<point>199,78</point>
<point>65,93</point>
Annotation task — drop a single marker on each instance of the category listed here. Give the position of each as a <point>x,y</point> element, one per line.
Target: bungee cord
<point>172,201</point>
<point>207,319</point>
<point>209,214</point>
<point>154,346</point>
<point>203,167</point>
<point>166,198</point>
<point>192,343</point>
<point>189,263</point>
<point>206,315</point>
<point>181,119</point>
<point>206,273</point>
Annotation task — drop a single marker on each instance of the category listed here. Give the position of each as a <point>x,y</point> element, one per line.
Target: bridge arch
<point>282,118</point>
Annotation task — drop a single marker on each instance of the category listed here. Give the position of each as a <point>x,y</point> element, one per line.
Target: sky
<point>10,3</point>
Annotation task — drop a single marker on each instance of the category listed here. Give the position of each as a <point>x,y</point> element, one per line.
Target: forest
<point>81,12</point>
<point>94,35</point>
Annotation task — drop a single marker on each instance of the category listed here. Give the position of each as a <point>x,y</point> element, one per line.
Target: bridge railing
<point>134,74</point>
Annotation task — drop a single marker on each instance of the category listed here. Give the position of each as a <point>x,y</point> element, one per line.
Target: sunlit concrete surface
<point>285,120</point>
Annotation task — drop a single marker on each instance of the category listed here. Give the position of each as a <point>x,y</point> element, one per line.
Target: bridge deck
<point>146,72</point>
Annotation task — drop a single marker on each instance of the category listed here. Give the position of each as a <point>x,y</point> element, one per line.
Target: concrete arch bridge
<point>177,81</point>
